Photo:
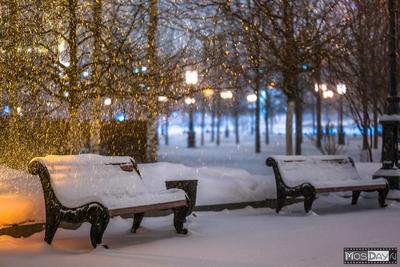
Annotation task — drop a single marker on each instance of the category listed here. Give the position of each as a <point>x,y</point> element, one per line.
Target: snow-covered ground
<point>247,237</point>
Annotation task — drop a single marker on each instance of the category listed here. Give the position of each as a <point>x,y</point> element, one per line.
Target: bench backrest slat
<point>78,179</point>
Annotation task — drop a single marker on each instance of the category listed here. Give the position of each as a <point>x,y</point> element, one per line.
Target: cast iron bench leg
<point>52,223</point>
<point>180,219</point>
<point>96,232</point>
<point>308,192</point>
<point>382,196</point>
<point>137,220</point>
<point>354,199</point>
<point>280,201</point>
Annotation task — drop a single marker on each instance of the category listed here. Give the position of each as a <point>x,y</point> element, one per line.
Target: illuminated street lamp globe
<point>162,98</point>
<point>208,92</point>
<point>227,94</point>
<point>107,101</point>
<point>327,94</point>
<point>191,77</point>
<point>341,88</point>
<point>320,87</point>
<point>191,80</point>
<point>251,98</point>
<point>190,100</point>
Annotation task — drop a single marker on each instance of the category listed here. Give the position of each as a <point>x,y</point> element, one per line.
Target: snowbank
<point>21,197</point>
<point>216,185</point>
<point>247,237</point>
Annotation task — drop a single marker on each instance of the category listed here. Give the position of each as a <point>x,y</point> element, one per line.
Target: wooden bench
<point>92,188</point>
<point>306,176</point>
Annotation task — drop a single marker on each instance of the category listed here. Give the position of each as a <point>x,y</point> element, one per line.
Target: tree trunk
<point>313,116</point>
<point>257,114</point>
<point>95,126</point>
<point>267,114</point>
<point>203,115</point>
<point>74,132</point>
<point>299,125</point>
<point>289,126</point>
<point>74,101</point>
<point>376,123</point>
<point>365,145</point>
<point>237,140</point>
<point>95,121</point>
<point>218,121</point>
<point>319,122</point>
<point>213,124</point>
<point>271,121</point>
<point>152,142</point>
<point>166,137</point>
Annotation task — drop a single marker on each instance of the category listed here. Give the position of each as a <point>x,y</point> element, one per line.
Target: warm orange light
<point>208,92</point>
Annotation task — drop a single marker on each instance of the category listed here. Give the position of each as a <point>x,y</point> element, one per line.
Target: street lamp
<point>162,98</point>
<point>208,93</point>
<point>226,95</point>
<point>107,102</point>
<point>341,90</point>
<point>252,98</point>
<point>319,89</point>
<point>390,121</point>
<point>191,80</point>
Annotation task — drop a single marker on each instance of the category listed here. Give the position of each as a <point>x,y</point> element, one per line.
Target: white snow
<point>216,185</point>
<point>79,179</point>
<point>247,237</point>
<point>21,197</point>
<point>321,171</point>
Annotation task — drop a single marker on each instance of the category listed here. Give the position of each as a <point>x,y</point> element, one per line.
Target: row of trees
<point>300,43</point>
<point>62,58</point>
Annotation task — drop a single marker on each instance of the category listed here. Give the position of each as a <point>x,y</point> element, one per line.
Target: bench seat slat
<point>350,188</point>
<point>152,207</point>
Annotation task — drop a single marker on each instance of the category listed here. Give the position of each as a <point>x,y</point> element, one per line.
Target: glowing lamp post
<point>252,98</point>
<point>341,90</point>
<point>107,102</point>
<point>226,95</point>
<point>208,94</point>
<point>191,80</point>
<point>319,89</point>
<point>391,119</point>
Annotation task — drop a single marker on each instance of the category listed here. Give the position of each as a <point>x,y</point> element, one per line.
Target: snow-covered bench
<point>92,188</point>
<point>305,176</point>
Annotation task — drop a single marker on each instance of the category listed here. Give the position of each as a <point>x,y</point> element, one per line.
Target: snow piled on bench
<point>321,171</point>
<point>80,179</point>
<point>216,185</point>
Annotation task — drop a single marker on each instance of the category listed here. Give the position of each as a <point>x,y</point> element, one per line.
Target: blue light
<point>304,67</point>
<point>7,110</point>
<point>120,117</point>
<point>85,74</point>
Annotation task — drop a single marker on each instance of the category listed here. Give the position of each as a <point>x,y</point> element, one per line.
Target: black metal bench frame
<point>58,215</point>
<point>308,191</point>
